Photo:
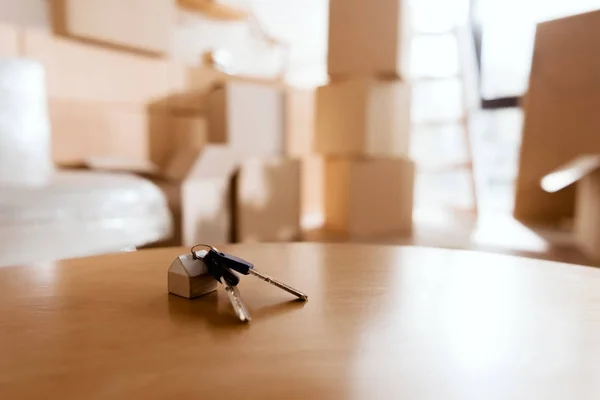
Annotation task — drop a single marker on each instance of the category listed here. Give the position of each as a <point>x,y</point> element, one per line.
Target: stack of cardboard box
<point>225,149</point>
<point>363,120</point>
<point>248,116</point>
<point>223,161</point>
<point>214,143</point>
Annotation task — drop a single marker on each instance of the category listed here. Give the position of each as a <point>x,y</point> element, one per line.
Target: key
<point>219,270</point>
<point>245,267</point>
<point>233,262</point>
<point>236,301</point>
<point>280,285</point>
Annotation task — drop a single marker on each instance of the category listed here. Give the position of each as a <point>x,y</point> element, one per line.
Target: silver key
<point>236,301</point>
<point>280,285</point>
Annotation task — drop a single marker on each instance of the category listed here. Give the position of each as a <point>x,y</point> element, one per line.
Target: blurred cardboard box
<point>191,103</point>
<point>299,110</point>
<point>248,116</point>
<point>584,172</point>
<point>312,189</point>
<point>300,118</point>
<point>80,72</point>
<point>366,197</point>
<point>9,42</point>
<point>368,38</point>
<point>144,26</point>
<point>300,124</point>
<point>267,200</point>
<point>363,117</point>
<point>201,196</point>
<point>188,144</point>
<point>168,134</point>
<point>202,78</point>
<point>81,130</point>
<point>561,112</point>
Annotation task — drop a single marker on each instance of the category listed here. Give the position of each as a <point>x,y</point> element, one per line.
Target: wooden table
<point>381,322</point>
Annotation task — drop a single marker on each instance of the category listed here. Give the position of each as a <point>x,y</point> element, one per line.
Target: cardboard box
<point>178,136</point>
<point>561,112</point>
<point>248,116</point>
<point>312,189</point>
<point>9,42</point>
<point>202,78</point>
<point>206,214</point>
<point>363,117</point>
<point>138,25</point>
<point>300,119</point>
<point>189,103</point>
<point>368,38</point>
<point>197,84</point>
<point>200,209</point>
<point>80,72</point>
<point>214,10</point>
<point>81,130</point>
<point>300,128</point>
<point>201,195</point>
<point>584,171</point>
<point>369,196</point>
<point>267,200</point>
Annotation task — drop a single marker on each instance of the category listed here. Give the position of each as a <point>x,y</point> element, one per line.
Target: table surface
<point>381,322</point>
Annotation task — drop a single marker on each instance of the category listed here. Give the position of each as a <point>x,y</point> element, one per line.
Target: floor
<point>491,233</point>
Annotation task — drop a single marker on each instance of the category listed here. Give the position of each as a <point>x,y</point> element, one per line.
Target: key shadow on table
<point>215,311</point>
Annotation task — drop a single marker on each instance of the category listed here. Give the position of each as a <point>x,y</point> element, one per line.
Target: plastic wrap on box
<point>78,214</point>
<point>25,154</point>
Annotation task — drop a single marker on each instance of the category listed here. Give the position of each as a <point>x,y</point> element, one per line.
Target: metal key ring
<point>202,245</point>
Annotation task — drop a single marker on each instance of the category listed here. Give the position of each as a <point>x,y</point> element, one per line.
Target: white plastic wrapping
<point>25,154</point>
<point>78,214</point>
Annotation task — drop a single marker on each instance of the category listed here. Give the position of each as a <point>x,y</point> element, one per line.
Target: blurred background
<point>127,124</point>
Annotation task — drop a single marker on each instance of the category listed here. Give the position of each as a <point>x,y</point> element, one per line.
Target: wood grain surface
<point>382,322</point>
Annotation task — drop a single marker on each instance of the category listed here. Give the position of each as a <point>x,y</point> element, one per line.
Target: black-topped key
<point>218,270</point>
<point>229,279</point>
<point>230,261</point>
